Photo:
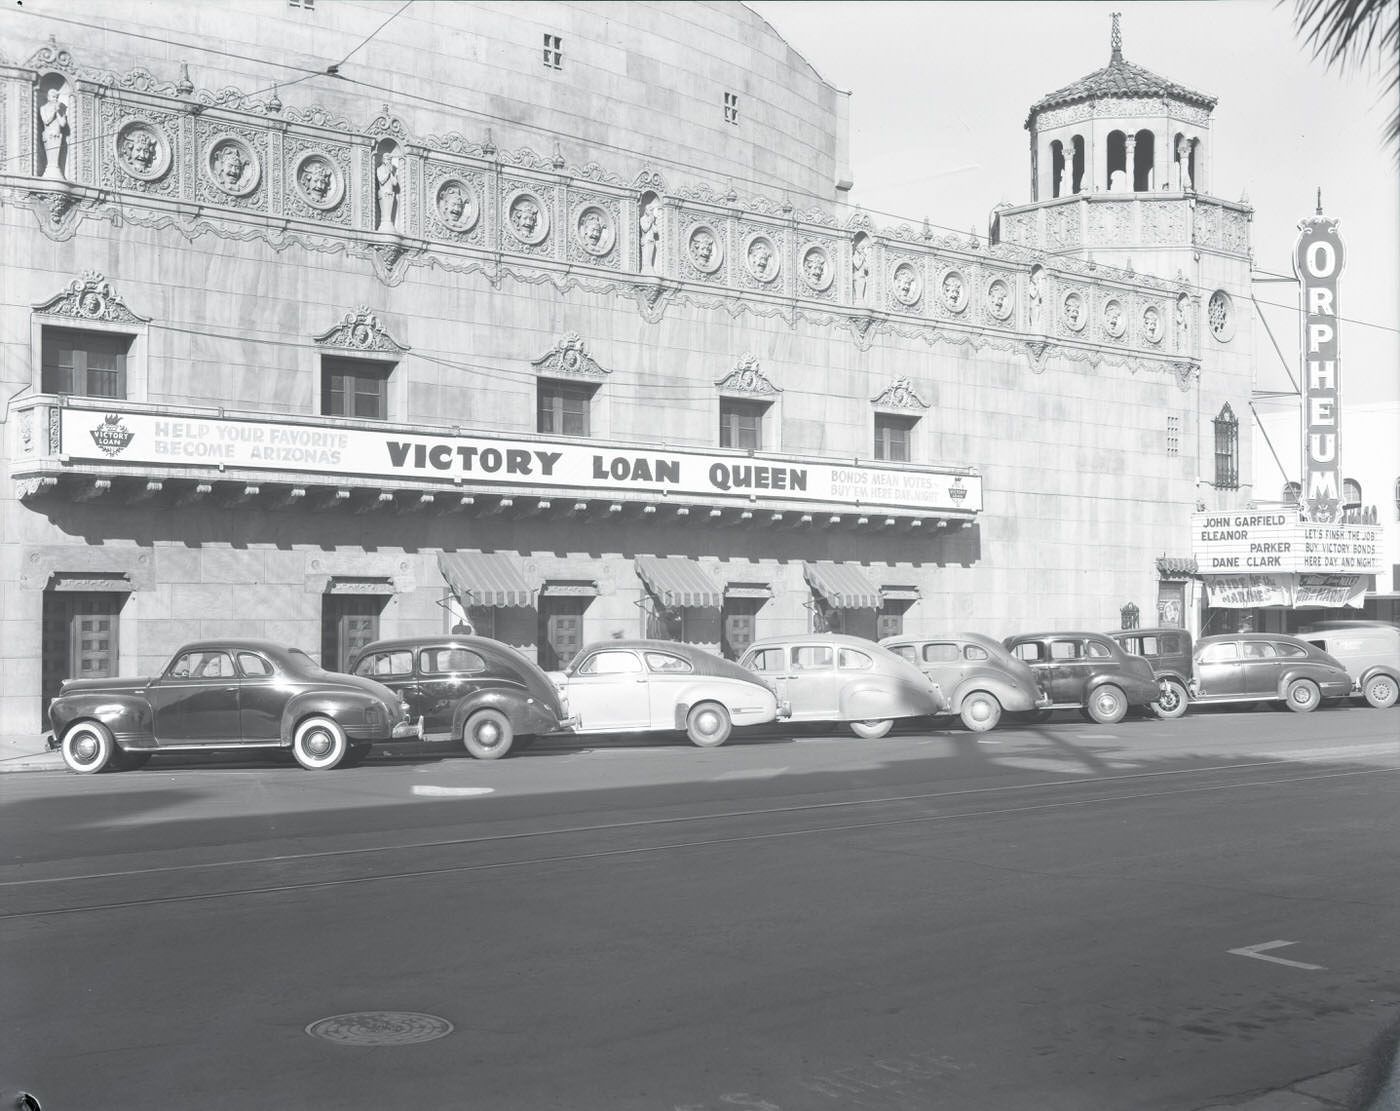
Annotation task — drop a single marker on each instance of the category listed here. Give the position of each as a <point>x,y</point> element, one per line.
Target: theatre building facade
<point>564,329</point>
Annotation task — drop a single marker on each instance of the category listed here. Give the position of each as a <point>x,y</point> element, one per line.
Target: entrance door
<point>738,619</point>
<point>79,639</point>
<point>348,623</point>
<point>561,631</point>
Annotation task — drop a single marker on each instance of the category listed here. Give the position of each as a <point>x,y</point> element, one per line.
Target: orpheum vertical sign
<point>1317,260</point>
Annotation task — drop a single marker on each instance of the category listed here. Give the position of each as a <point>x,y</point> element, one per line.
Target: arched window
<point>1144,162</point>
<point>1116,172</point>
<point>1351,494</point>
<point>1227,449</point>
<point>1292,493</point>
<point>1076,170</point>
<point>1061,169</point>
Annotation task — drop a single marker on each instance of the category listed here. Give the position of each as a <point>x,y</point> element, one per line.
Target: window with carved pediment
<point>85,364</point>
<point>1227,450</point>
<point>894,437</point>
<point>355,388</point>
<point>741,424</point>
<point>564,408</point>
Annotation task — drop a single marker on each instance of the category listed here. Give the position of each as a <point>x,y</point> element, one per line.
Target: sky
<point>940,90</point>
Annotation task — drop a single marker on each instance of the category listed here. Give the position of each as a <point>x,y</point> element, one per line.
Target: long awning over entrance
<point>677,581</point>
<point>484,578</point>
<point>843,585</point>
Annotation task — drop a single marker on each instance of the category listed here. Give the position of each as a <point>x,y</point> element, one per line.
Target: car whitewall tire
<point>88,747</point>
<point>708,725</point>
<point>319,744</point>
<point>1107,705</point>
<point>871,730</point>
<point>487,734</point>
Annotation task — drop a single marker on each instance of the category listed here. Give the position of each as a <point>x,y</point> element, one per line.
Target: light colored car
<point>635,686</point>
<point>1369,650</point>
<point>834,677</point>
<point>1265,667</point>
<point>980,679</point>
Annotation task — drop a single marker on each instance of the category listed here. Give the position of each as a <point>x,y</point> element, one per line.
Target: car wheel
<point>708,725</point>
<point>1381,691</point>
<point>1302,696</point>
<point>88,747</point>
<point>1108,705</point>
<point>487,734</point>
<point>870,730</point>
<point>1173,700</point>
<point>319,744</point>
<point>980,712</point>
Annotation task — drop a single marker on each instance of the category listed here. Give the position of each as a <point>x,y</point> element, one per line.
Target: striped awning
<point>843,585</point>
<point>484,578</point>
<point>890,593</point>
<point>677,581</point>
<point>1177,567</point>
<point>747,590</point>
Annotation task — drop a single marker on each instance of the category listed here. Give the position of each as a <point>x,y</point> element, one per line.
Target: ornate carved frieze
<point>1206,230</point>
<point>1062,227</point>
<point>904,282</point>
<point>954,288</point>
<point>318,177</point>
<point>1110,222</point>
<point>1059,117</point>
<point>528,210</point>
<point>1163,222</point>
<point>91,297</point>
<point>703,253</point>
<point>229,165</point>
<point>817,260</point>
<point>456,209</point>
<point>569,358</point>
<point>761,253</point>
<point>143,148</point>
<point>1234,236</point>
<point>1072,315</point>
<point>900,396</point>
<point>999,299</point>
<point>361,332</point>
<point>748,379</point>
<point>594,229</point>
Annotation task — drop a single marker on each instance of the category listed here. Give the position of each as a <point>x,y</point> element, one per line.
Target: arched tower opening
<point>1145,161</point>
<point>1115,170</point>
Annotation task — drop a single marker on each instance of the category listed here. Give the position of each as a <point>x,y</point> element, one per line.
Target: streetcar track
<point>640,850</point>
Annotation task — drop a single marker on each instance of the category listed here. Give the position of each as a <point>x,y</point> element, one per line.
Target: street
<point>1151,915</point>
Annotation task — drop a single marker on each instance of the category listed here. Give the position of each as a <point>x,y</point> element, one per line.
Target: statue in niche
<point>53,113</point>
<point>387,174</point>
<point>1035,296</point>
<point>860,268</point>
<point>650,223</point>
<point>1183,324</point>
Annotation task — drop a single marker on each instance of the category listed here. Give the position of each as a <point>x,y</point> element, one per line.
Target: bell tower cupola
<point>1121,129</point>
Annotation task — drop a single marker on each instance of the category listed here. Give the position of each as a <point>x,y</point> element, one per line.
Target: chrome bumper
<point>408,730</point>
<point>784,711</point>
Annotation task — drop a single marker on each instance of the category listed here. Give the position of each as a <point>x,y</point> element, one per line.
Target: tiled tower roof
<point>1119,78</point>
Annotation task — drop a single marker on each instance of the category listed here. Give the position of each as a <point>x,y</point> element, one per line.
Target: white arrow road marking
<point>1257,952</point>
<point>452,792</point>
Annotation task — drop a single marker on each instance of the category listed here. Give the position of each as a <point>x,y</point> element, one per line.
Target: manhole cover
<point>380,1028</point>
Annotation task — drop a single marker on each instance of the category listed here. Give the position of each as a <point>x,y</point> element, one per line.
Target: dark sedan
<point>1266,667</point>
<point>219,695</point>
<point>475,688</point>
<point>1087,671</point>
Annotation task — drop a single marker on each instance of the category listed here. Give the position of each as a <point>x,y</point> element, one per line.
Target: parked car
<point>1168,650</point>
<point>1369,650</point>
<point>217,695</point>
<point>475,688</point>
<point>1266,667</point>
<point>634,686</point>
<point>1087,671</point>
<point>979,678</point>
<point>834,677</point>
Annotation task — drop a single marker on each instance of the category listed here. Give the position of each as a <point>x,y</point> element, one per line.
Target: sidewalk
<point>27,753</point>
